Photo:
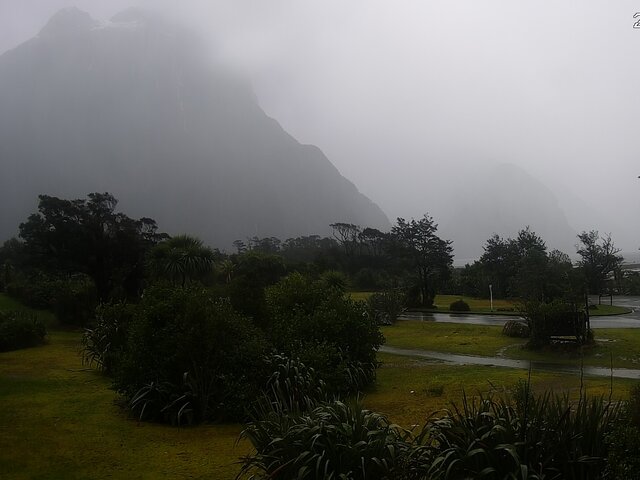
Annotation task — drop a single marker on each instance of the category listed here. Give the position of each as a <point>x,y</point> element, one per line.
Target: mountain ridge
<point>139,112</point>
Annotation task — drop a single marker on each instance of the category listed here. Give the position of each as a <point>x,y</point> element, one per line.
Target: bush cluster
<point>459,306</point>
<point>516,329</point>
<point>184,354</point>
<point>71,298</point>
<point>386,306</point>
<point>328,331</point>
<point>526,436</point>
<point>20,330</point>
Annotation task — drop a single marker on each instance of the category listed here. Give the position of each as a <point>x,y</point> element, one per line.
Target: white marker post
<point>491,295</point>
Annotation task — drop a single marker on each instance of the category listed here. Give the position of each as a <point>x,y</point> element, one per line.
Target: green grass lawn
<point>620,344</point>
<point>360,296</point>
<point>442,302</point>
<point>8,303</point>
<point>435,386</point>
<point>59,421</point>
<point>448,337</point>
<point>482,305</point>
<point>605,310</point>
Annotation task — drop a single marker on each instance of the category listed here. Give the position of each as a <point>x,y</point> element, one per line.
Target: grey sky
<point>402,96</point>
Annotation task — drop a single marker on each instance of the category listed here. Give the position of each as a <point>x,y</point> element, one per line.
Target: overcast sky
<point>401,94</point>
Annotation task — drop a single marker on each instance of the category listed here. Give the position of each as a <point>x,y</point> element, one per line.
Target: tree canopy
<point>90,237</point>
<point>430,256</point>
<point>599,259</point>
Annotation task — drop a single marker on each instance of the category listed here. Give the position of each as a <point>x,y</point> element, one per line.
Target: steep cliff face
<point>134,107</point>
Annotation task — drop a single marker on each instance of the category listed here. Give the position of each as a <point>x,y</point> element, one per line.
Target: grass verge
<point>448,337</point>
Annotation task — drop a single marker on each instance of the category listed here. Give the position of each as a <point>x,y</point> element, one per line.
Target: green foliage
<point>531,437</point>
<point>326,330</point>
<point>553,319</point>
<point>459,306</point>
<point>335,279</point>
<point>165,402</point>
<point>20,330</point>
<point>104,344</point>
<point>369,279</point>
<point>429,256</point>
<point>252,273</point>
<point>515,329</point>
<point>330,440</point>
<point>386,306</point>
<point>181,259</point>
<point>72,298</point>
<point>520,267</point>
<point>599,259</point>
<point>624,440</point>
<point>89,237</point>
<point>183,341</point>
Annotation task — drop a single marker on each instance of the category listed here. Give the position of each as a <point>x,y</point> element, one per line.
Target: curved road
<point>454,359</point>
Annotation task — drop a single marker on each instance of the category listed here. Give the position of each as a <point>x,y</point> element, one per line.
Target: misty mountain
<point>137,108</point>
<point>501,199</point>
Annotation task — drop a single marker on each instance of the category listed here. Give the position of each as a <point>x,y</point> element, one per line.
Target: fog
<point>413,100</point>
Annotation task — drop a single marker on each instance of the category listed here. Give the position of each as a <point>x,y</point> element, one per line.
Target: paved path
<point>454,359</point>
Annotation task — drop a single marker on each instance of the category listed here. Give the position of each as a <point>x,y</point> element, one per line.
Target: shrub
<point>35,291</point>
<point>516,329</point>
<point>623,441</point>
<point>385,307</point>
<point>369,279</point>
<point>555,318</point>
<point>105,343</point>
<point>74,300</point>
<point>335,279</point>
<point>20,330</point>
<point>331,440</point>
<point>459,306</point>
<point>532,436</point>
<point>328,331</point>
<point>185,344</point>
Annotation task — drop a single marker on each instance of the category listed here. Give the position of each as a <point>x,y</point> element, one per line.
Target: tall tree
<point>599,259</point>
<point>88,236</point>
<point>430,256</point>
<point>521,267</point>
<point>347,235</point>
